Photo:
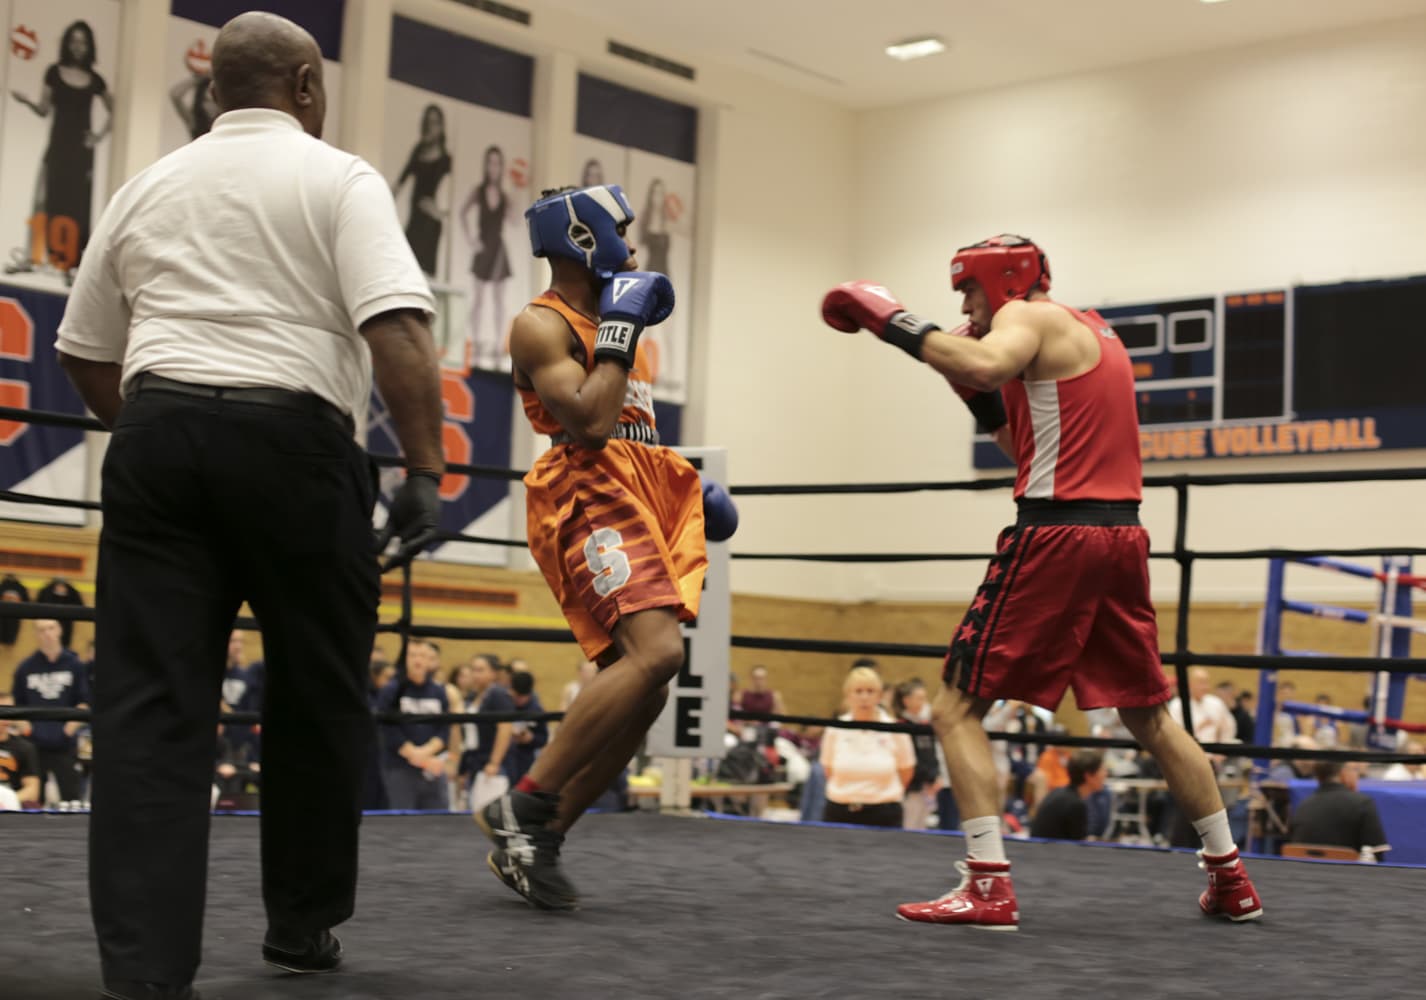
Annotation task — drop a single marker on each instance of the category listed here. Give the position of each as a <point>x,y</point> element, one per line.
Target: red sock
<point>526,785</point>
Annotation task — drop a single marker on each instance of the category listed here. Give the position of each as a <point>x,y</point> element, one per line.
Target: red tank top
<point>1078,438</point>
<point>638,398</point>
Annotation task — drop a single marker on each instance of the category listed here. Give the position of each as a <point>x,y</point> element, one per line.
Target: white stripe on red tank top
<point>1078,438</point>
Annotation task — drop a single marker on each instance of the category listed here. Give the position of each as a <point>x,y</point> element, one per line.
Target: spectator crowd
<point>842,775</point>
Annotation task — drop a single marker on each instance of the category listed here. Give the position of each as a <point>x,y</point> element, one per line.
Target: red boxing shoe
<point>1230,892</point>
<point>985,899</point>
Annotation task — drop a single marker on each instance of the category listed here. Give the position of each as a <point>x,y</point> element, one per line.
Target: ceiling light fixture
<point>1212,1</point>
<point>916,48</point>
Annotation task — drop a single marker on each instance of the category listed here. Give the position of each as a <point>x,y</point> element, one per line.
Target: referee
<point>237,298</point>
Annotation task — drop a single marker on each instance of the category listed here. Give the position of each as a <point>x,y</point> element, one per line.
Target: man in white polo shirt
<point>237,297</point>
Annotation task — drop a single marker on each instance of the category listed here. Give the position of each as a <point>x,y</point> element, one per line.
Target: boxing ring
<point>681,906</point>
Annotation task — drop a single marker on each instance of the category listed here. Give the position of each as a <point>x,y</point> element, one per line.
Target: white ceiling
<point>833,48</point>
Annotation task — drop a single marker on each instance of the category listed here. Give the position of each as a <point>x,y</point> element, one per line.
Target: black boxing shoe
<point>303,953</point>
<point>526,855</point>
<point>120,990</point>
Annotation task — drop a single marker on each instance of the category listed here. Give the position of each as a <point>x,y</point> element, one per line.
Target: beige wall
<point>1254,167</point>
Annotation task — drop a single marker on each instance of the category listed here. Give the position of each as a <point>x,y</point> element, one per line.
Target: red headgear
<point>1006,267</point>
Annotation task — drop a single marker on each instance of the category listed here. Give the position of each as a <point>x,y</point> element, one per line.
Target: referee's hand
<point>414,518</point>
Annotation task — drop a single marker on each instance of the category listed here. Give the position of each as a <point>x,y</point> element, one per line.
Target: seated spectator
<point>19,766</point>
<point>53,677</point>
<point>1284,771</point>
<point>867,771</point>
<point>1213,722</point>
<point>1015,762</point>
<point>242,692</point>
<point>501,671</point>
<point>1326,732</point>
<point>414,759</point>
<point>1051,773</point>
<point>1241,706</point>
<point>1285,724</point>
<point>235,774</point>
<point>527,738</point>
<point>485,746</point>
<point>1407,772</point>
<point>1064,813</point>
<point>584,672</point>
<point>912,705</point>
<point>382,674</point>
<point>758,696</point>
<point>1339,815</point>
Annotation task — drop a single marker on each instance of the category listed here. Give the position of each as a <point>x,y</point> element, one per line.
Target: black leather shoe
<point>319,952</point>
<point>147,991</point>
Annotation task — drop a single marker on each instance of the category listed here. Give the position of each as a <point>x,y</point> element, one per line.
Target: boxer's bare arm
<point>988,363</point>
<point>587,404</point>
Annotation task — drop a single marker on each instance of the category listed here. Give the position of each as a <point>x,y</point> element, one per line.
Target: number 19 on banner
<point>54,240</point>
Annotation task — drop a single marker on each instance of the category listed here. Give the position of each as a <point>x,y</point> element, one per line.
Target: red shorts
<point>1063,605</point>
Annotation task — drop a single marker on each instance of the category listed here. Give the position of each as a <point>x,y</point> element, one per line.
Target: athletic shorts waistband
<point>1094,512</point>
<point>623,431</point>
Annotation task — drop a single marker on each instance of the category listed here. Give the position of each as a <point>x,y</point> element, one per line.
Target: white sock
<point>983,841</point>
<point>1217,840</point>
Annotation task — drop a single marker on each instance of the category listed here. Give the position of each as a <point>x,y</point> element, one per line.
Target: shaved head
<point>261,60</point>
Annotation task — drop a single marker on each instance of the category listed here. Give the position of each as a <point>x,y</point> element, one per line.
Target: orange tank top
<point>638,398</point>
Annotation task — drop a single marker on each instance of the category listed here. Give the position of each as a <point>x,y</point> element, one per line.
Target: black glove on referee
<point>414,518</point>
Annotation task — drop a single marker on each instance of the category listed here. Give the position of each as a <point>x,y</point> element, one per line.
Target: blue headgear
<point>582,225</point>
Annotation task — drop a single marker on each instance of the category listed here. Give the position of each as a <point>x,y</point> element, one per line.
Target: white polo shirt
<point>863,766</point>
<point>249,257</point>
<point>1213,721</point>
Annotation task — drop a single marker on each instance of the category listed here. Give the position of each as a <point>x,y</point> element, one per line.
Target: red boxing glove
<point>857,305</point>
<point>964,330</point>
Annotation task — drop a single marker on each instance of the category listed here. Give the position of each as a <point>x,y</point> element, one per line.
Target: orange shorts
<point>616,531</point>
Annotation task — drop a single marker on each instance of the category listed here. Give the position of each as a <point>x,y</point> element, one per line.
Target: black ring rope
<point>11,496</point>
<point>1368,664</point>
<point>1180,657</point>
<point>50,417</point>
<point>41,714</point>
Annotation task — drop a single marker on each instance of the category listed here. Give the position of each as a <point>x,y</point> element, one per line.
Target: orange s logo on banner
<point>455,441</point>
<point>17,342</point>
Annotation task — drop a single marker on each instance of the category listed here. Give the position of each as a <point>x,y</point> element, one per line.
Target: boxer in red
<point>1065,601</point>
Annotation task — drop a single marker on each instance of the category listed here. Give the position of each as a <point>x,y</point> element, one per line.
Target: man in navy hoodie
<point>53,677</point>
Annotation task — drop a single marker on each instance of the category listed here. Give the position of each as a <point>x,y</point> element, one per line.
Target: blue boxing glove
<point>720,515</point>
<point>631,300</point>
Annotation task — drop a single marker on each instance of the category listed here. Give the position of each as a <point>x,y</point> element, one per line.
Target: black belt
<point>282,399</point>
<point>1100,512</point>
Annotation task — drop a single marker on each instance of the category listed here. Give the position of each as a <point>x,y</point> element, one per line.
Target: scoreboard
<point>1283,371</point>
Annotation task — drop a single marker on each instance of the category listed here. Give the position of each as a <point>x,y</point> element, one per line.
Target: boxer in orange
<point>615,521</point>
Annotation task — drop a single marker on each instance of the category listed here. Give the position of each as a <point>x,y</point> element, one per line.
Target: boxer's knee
<point>954,708</point>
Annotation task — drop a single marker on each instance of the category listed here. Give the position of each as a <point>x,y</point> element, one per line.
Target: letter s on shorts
<point>608,564</point>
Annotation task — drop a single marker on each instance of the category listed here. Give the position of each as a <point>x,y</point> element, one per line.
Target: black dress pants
<point>209,503</point>
<point>63,763</point>
<point>878,814</point>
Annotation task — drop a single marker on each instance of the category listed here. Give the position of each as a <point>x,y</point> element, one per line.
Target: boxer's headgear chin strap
<point>582,224</point>
<point>1006,267</point>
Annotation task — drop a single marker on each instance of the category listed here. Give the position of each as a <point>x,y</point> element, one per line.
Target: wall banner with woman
<point>648,145</point>
<point>54,134</point>
<point>458,140</point>
<point>192,27</point>
<point>457,154</point>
